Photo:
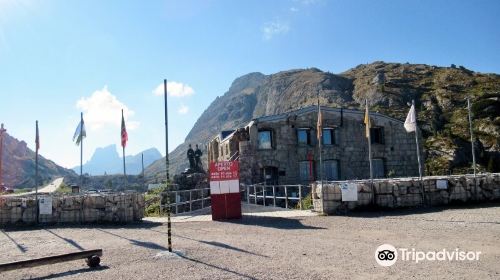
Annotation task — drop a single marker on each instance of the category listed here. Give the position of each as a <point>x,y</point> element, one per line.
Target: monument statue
<point>197,156</point>
<point>190,156</point>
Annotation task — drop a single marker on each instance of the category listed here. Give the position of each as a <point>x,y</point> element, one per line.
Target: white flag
<point>80,132</point>
<point>411,120</point>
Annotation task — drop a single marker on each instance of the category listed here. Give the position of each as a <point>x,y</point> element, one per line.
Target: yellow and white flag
<point>319,125</point>
<point>367,121</point>
<point>411,120</point>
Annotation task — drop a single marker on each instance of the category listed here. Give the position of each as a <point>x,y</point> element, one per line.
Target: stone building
<point>283,149</point>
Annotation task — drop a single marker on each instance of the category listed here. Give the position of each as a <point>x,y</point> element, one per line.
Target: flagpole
<point>320,134</point>
<point>142,164</point>
<point>169,225</point>
<point>472,145</point>
<point>369,137</point>
<point>81,150</point>
<point>36,169</point>
<point>418,150</point>
<point>36,162</point>
<point>123,148</point>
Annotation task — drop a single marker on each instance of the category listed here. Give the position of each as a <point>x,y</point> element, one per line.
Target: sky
<point>62,57</point>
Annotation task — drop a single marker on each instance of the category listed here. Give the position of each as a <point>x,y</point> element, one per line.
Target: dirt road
<point>258,247</point>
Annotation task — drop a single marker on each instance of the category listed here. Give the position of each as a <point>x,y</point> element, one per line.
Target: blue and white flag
<point>79,132</point>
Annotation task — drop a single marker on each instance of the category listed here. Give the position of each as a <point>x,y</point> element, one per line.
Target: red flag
<point>124,133</point>
<point>37,138</point>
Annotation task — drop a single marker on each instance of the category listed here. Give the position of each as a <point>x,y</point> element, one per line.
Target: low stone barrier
<point>407,192</point>
<point>82,208</point>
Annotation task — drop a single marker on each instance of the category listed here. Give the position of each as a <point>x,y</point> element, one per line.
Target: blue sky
<point>61,57</point>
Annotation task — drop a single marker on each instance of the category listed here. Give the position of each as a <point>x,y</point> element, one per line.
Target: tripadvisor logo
<point>387,255</point>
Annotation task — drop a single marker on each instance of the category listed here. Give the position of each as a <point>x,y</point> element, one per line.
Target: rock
<point>385,200</point>
<point>458,193</point>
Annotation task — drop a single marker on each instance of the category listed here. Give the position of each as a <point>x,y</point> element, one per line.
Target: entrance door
<point>270,175</point>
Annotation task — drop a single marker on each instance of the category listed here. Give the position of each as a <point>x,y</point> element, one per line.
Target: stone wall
<point>88,208</point>
<point>407,192</point>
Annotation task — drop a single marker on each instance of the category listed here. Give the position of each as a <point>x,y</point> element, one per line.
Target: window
<point>378,168</point>
<point>303,136</point>
<point>265,139</point>
<point>305,171</point>
<point>329,136</point>
<point>331,170</point>
<point>377,135</point>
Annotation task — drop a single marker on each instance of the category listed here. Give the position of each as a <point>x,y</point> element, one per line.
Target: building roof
<point>314,108</point>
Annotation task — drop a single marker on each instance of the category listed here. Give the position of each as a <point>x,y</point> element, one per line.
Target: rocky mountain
<point>18,165</point>
<point>439,92</point>
<point>106,160</point>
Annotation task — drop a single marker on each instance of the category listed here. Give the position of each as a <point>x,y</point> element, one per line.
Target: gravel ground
<point>259,247</point>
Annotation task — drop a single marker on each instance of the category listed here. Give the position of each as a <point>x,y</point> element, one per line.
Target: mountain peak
<point>106,160</point>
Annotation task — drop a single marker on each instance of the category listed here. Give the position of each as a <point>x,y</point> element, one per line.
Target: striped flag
<point>37,138</point>
<point>124,132</point>
<point>367,121</point>
<point>80,132</point>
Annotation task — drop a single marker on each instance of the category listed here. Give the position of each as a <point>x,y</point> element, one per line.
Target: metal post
<point>300,196</point>
<point>36,174</point>
<point>248,194</point>
<point>169,225</point>
<point>274,196</point>
<point>319,144</point>
<point>286,197</point>
<point>255,194</point>
<point>202,198</point>
<point>369,137</point>
<point>190,201</point>
<point>264,195</point>
<point>142,164</point>
<point>472,146</point>
<point>81,150</point>
<point>2,131</point>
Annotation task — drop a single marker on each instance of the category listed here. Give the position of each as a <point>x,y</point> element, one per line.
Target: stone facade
<point>292,152</point>
<point>90,208</point>
<point>407,192</point>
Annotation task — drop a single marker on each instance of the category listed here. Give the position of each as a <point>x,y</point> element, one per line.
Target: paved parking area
<point>269,247</point>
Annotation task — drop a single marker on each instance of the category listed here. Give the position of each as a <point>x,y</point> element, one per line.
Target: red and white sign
<point>224,177</point>
<point>225,189</point>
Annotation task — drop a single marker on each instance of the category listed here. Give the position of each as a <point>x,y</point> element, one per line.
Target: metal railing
<point>275,192</point>
<point>181,198</point>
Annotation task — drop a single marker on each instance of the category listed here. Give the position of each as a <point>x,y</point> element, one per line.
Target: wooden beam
<point>50,260</point>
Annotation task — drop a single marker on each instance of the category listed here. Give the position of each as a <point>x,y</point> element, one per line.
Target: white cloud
<point>183,109</point>
<point>102,109</point>
<point>294,9</point>
<point>174,89</point>
<point>273,28</point>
